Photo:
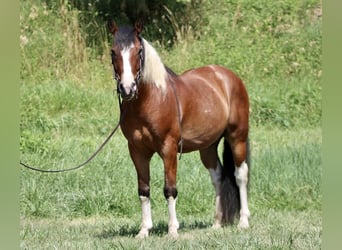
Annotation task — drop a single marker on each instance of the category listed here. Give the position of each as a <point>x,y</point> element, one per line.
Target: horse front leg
<point>141,162</point>
<point>169,156</point>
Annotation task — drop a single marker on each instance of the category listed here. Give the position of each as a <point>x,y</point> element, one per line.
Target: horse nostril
<point>121,88</point>
<point>127,91</point>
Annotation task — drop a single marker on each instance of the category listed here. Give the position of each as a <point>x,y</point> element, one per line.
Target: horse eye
<point>139,52</point>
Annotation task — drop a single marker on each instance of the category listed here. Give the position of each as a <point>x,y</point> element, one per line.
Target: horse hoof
<point>142,234</point>
<point>243,224</point>
<point>173,234</point>
<point>216,225</point>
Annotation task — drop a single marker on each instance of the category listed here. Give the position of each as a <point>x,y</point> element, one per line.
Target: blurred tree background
<point>164,21</point>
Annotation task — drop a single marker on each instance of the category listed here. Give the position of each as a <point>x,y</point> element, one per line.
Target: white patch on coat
<point>127,77</point>
<point>241,175</point>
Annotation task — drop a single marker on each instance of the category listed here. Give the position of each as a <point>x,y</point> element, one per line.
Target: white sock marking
<point>146,224</point>
<point>215,175</point>
<point>241,175</point>
<point>173,222</point>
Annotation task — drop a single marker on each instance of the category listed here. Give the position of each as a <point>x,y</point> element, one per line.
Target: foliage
<point>275,47</point>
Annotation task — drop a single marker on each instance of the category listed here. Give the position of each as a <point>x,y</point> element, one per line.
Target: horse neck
<point>148,90</point>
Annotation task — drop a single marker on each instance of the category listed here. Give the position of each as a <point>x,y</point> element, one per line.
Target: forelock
<point>124,37</point>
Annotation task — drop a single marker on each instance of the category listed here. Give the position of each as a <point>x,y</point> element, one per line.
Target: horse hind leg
<point>230,182</point>
<point>241,175</point>
<point>240,153</point>
<point>211,161</point>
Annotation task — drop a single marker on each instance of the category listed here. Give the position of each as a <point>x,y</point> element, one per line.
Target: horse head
<point>127,53</point>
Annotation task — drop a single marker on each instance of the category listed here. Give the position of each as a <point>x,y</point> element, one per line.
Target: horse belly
<point>205,117</point>
<point>207,128</point>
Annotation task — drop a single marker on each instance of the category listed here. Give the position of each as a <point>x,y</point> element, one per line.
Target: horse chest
<point>139,136</point>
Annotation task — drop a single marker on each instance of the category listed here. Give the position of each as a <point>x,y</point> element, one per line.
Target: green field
<point>68,108</point>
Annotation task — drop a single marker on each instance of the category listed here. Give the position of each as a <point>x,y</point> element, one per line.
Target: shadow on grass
<point>159,229</point>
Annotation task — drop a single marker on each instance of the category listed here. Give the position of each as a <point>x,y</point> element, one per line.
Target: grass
<point>70,135</point>
<point>68,108</point>
<point>97,207</point>
<point>266,232</point>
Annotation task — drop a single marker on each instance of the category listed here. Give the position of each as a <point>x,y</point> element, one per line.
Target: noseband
<point>141,66</point>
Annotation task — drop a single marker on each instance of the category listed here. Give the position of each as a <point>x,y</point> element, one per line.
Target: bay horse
<point>166,113</point>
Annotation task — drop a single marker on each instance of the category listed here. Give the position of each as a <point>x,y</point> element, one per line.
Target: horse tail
<point>229,191</point>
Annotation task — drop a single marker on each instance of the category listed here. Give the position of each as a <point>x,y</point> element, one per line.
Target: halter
<point>141,65</point>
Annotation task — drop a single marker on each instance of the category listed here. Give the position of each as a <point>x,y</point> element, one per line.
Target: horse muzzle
<point>127,92</point>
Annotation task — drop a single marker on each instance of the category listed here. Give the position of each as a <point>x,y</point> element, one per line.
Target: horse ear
<point>112,27</point>
<point>139,26</point>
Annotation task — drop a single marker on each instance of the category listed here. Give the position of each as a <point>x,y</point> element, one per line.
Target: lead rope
<point>90,158</point>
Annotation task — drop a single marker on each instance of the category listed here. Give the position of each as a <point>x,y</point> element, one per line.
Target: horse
<point>167,114</point>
